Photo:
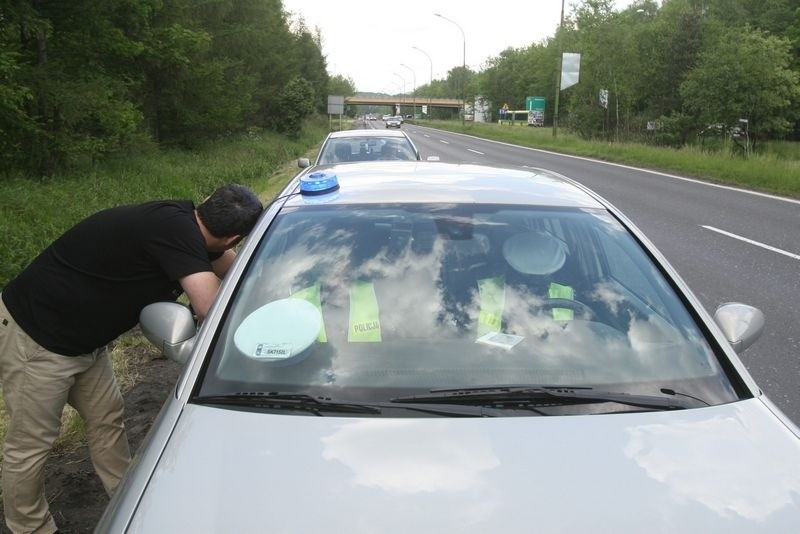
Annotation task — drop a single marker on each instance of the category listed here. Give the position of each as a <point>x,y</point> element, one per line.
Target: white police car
<point>425,347</point>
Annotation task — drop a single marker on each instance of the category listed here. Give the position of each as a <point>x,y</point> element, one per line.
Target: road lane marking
<point>750,241</point>
<point>443,141</point>
<point>639,169</point>
<point>476,152</point>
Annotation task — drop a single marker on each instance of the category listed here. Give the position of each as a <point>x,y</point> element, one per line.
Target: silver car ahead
<point>394,122</point>
<point>425,347</point>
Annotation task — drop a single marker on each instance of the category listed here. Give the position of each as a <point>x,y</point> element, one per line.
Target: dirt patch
<point>77,498</point>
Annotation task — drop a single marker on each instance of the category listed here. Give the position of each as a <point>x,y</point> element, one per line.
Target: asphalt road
<point>728,244</point>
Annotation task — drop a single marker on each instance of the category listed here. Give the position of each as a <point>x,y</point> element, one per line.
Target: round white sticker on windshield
<point>278,331</point>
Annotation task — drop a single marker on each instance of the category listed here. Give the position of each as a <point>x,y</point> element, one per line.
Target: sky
<point>372,42</point>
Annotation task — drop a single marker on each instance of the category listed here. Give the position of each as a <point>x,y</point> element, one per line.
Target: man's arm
<point>202,289</point>
<point>223,263</point>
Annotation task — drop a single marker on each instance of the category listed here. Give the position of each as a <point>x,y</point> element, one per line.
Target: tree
<point>744,74</point>
<point>296,102</point>
<point>341,85</point>
<point>15,123</point>
<point>70,92</point>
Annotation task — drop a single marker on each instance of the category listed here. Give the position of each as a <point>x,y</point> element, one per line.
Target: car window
<point>416,297</point>
<point>366,149</point>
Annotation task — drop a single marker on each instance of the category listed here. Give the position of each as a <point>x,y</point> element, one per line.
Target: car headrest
<point>535,252</point>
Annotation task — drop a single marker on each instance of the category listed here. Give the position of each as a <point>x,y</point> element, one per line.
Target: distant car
<point>424,347</point>
<point>366,144</point>
<point>386,117</point>
<point>394,122</point>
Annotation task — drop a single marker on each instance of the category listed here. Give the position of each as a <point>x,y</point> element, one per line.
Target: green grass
<point>776,169</point>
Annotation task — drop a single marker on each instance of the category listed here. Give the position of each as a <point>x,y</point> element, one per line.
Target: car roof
<point>366,132</point>
<point>437,182</point>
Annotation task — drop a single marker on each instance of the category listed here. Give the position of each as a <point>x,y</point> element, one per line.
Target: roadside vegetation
<point>673,74</point>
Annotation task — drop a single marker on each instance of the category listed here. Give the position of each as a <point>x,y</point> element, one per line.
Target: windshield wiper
<point>292,401</point>
<point>542,395</point>
<point>301,401</point>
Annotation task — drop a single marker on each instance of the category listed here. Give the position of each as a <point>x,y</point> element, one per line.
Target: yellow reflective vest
<point>491,292</point>
<point>364,323</point>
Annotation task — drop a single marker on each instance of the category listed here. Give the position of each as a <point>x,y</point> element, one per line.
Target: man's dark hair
<point>231,210</point>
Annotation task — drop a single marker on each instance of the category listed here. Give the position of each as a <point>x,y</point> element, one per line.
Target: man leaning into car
<point>83,291</point>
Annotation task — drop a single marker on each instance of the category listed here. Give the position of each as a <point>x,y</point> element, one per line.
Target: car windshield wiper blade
<point>448,410</point>
<point>295,401</point>
<point>545,394</point>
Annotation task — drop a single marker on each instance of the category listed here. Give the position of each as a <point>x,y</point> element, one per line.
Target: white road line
<point>443,141</point>
<point>630,167</point>
<point>756,243</point>
<point>476,152</point>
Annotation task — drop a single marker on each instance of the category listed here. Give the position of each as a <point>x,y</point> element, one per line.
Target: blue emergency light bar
<point>318,183</point>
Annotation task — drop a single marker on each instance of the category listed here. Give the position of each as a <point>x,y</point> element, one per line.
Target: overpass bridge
<point>405,101</point>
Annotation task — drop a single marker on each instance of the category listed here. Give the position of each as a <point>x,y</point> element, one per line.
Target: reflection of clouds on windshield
<point>644,336</point>
<point>592,346</point>
<point>719,464</point>
<point>409,294</point>
<point>426,289</point>
<point>608,295</point>
<point>394,456</point>
<point>316,258</point>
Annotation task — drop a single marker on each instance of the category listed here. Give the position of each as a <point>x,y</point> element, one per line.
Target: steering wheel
<point>575,305</point>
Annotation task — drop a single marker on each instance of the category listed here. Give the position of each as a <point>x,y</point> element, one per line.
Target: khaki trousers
<point>36,385</point>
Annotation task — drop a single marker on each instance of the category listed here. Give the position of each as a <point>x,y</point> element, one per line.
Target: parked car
<point>428,347</point>
<point>366,144</point>
<point>394,122</point>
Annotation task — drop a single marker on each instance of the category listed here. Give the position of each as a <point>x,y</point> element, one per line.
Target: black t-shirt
<point>89,286</point>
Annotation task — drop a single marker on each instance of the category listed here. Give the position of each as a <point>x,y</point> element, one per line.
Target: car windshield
<point>343,149</point>
<point>372,302</point>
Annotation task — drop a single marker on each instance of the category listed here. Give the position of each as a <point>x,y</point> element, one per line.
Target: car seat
<point>342,151</point>
<point>464,263</point>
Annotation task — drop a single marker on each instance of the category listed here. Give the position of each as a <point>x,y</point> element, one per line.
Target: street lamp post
<point>430,86</point>
<point>413,90</point>
<point>403,97</point>
<point>560,68</point>
<point>463,62</point>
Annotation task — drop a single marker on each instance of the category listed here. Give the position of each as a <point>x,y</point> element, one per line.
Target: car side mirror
<point>741,324</point>
<point>170,327</point>
<point>303,162</point>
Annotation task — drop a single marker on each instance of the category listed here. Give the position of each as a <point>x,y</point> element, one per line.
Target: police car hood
<point>733,467</point>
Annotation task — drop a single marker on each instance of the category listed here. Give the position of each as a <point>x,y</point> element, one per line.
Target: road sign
<point>535,107</point>
<point>335,105</point>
